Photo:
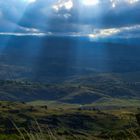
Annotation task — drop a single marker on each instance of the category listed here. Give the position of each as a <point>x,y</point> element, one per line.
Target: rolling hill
<point>76,90</point>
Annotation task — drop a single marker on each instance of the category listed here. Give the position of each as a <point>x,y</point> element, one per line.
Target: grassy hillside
<point>85,123</point>
<point>94,107</point>
<point>93,89</point>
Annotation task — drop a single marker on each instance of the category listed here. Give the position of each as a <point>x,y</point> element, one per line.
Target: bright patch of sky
<point>118,2</point>
<point>66,4</point>
<point>90,2</point>
<point>29,1</point>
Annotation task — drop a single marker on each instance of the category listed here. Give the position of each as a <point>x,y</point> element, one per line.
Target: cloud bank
<point>93,18</point>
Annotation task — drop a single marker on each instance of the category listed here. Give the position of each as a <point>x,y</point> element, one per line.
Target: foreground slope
<point>19,119</point>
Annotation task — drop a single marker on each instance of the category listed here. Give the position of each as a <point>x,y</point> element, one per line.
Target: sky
<point>92,18</point>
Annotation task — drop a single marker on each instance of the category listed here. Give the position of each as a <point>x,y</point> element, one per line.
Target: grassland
<point>101,107</point>
<point>18,119</point>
